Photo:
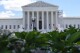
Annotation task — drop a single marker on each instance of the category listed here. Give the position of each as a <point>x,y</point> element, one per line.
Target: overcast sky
<point>12,8</point>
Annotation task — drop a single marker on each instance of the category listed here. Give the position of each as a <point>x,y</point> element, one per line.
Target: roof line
<point>37,2</point>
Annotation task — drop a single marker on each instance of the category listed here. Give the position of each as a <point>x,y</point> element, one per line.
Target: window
<point>78,25</point>
<point>70,25</point>
<point>5,26</point>
<point>9,26</point>
<point>18,26</point>
<point>66,26</point>
<point>14,26</point>
<point>74,25</point>
<point>49,26</point>
<point>1,26</point>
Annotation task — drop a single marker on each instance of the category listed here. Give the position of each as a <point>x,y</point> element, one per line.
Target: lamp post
<point>33,23</point>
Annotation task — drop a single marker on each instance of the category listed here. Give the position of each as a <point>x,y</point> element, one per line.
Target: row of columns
<point>47,21</point>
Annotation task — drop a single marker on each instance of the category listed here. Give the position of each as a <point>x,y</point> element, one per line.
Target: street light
<point>33,23</point>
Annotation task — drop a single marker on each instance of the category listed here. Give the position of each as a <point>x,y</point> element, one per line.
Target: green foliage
<point>21,35</point>
<point>3,44</point>
<point>66,41</point>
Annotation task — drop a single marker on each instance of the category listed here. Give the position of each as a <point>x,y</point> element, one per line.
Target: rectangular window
<point>9,26</point>
<point>18,26</point>
<point>74,25</point>
<point>78,25</point>
<point>14,26</point>
<point>5,26</point>
<point>1,26</point>
<point>66,26</point>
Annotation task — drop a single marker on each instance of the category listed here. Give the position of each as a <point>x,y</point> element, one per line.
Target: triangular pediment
<point>40,4</point>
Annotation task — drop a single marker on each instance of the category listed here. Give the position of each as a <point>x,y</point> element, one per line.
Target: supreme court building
<point>40,16</point>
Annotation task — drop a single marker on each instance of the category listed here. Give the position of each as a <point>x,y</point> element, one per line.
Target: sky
<point>12,8</point>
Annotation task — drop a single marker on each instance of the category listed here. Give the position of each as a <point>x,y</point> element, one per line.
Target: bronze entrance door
<point>40,24</point>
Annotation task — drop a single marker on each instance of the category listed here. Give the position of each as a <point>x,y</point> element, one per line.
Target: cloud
<point>14,4</point>
<point>6,14</point>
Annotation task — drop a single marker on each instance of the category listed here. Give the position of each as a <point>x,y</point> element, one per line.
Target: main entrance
<point>40,24</point>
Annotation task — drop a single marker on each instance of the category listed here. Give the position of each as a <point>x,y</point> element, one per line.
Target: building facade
<point>11,24</point>
<point>43,14</point>
<point>40,16</point>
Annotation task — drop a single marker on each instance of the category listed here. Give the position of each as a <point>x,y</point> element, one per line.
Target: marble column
<point>37,20</point>
<point>52,21</point>
<point>24,23</point>
<point>56,16</point>
<point>56,22</point>
<point>42,20</point>
<point>32,19</point>
<point>28,21</point>
<point>47,21</point>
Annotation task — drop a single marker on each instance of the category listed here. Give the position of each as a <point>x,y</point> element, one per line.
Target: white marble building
<point>39,15</point>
